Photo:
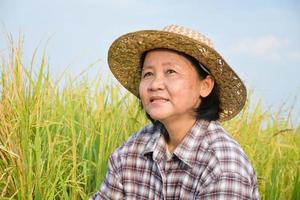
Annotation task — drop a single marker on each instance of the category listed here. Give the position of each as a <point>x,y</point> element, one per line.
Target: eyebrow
<point>164,64</point>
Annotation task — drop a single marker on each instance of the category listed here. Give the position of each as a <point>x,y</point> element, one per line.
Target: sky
<point>259,39</point>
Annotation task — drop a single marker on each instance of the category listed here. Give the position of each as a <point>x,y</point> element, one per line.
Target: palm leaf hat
<point>125,54</point>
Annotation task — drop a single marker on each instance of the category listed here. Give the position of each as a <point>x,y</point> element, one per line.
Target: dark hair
<point>209,108</point>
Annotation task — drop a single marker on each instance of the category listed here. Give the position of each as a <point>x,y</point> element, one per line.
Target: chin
<point>158,114</point>
<point>158,117</point>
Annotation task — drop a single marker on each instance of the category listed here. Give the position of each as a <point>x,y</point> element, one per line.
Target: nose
<point>158,83</point>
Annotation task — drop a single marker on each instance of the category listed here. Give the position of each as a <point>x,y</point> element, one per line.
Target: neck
<point>176,131</point>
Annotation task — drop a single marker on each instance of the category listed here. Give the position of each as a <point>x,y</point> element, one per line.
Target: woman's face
<point>170,87</point>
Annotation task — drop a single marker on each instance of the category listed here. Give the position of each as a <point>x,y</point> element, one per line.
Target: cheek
<point>186,93</point>
<point>142,92</point>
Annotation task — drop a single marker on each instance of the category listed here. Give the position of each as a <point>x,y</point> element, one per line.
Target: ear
<point>207,85</point>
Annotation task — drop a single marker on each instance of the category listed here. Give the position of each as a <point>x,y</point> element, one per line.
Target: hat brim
<point>124,59</point>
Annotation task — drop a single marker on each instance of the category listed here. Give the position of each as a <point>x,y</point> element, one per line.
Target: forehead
<point>167,55</point>
<point>163,51</point>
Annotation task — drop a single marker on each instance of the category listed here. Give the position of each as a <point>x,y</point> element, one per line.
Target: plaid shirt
<point>207,164</point>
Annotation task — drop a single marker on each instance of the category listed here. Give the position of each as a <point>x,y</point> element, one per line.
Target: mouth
<point>158,99</point>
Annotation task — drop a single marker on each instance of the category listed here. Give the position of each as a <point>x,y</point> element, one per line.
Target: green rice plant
<point>273,147</point>
<point>55,141</point>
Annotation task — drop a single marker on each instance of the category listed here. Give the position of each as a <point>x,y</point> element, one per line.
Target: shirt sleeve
<point>111,187</point>
<point>230,186</point>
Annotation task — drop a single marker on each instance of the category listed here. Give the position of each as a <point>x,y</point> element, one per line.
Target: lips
<point>158,99</point>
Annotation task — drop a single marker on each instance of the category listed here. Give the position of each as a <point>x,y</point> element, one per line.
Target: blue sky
<point>259,39</point>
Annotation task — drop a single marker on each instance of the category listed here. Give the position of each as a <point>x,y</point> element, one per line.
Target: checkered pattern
<point>207,164</point>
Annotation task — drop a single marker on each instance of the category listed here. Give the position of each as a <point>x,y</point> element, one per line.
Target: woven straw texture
<point>124,59</point>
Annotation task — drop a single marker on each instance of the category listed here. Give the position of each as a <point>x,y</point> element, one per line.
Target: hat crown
<point>189,33</point>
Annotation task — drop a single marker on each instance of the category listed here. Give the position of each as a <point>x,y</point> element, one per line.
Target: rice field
<point>55,141</point>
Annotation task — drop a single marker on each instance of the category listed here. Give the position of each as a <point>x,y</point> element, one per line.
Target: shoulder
<point>227,153</point>
<point>136,143</point>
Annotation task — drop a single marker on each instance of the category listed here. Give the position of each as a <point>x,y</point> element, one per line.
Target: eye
<point>147,74</point>
<point>171,71</point>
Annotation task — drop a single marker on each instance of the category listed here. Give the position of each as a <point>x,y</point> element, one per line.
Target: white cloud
<point>269,47</point>
<point>295,55</point>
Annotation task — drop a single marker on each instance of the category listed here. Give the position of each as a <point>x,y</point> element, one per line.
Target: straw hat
<point>124,59</point>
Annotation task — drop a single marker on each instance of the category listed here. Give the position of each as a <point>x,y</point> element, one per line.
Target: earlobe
<point>207,85</point>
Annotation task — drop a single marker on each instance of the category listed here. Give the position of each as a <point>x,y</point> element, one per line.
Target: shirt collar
<point>193,143</point>
<point>188,148</point>
<point>155,134</point>
<point>157,144</point>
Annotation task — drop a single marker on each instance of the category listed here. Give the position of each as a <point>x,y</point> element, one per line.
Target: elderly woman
<point>185,88</point>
